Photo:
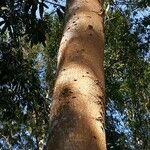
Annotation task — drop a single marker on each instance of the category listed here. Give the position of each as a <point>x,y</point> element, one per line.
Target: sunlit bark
<point>77,114</point>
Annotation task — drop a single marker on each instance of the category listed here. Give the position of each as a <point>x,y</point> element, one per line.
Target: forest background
<point>30,34</point>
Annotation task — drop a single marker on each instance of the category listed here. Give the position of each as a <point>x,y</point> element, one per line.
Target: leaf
<point>60,14</point>
<point>2,22</point>
<point>41,9</point>
<point>27,7</point>
<point>10,31</point>
<point>44,44</point>
<point>146,21</point>
<point>3,8</point>
<point>63,8</point>
<point>4,29</point>
<point>2,3</point>
<point>33,11</point>
<point>45,5</point>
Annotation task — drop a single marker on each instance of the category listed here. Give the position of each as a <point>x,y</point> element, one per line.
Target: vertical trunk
<point>77,121</point>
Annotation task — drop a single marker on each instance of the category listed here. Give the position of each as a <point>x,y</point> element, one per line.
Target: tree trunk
<point>77,113</point>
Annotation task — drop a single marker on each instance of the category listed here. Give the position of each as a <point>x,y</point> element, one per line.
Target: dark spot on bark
<point>99,102</point>
<point>73,97</point>
<point>75,79</point>
<point>88,16</point>
<point>102,108</point>
<point>66,92</point>
<point>90,27</point>
<point>103,125</point>
<point>102,128</point>
<point>73,22</point>
<point>67,102</point>
<point>64,69</point>
<point>87,72</point>
<point>101,113</point>
<point>99,119</point>
<point>68,28</point>
<point>100,97</point>
<point>90,34</point>
<point>96,82</point>
<point>83,76</point>
<point>94,137</point>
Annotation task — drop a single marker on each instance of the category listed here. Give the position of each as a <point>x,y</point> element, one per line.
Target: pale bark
<point>77,114</point>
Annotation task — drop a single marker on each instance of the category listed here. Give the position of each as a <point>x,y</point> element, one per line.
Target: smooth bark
<point>78,108</point>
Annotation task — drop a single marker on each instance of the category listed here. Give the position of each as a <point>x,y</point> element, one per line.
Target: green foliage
<point>51,49</point>
<point>127,78</point>
<point>23,102</point>
<point>20,18</point>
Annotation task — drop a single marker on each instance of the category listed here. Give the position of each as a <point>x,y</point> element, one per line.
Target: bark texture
<point>77,113</point>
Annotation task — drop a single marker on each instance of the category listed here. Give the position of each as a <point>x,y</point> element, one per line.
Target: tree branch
<point>55,4</point>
